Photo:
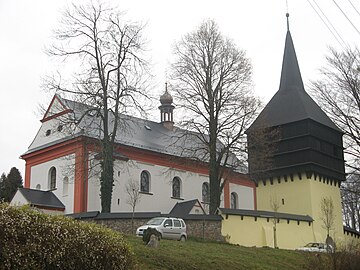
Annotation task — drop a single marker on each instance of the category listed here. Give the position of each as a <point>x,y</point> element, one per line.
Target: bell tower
<point>308,160</point>
<point>166,109</point>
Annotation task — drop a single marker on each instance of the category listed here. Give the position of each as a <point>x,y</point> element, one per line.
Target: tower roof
<point>291,103</point>
<point>166,98</point>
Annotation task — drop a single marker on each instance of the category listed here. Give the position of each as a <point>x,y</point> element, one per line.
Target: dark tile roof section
<point>265,214</point>
<point>138,215</point>
<point>84,215</point>
<point>127,215</point>
<point>200,217</point>
<point>351,231</point>
<point>40,198</point>
<point>143,134</point>
<point>184,208</point>
<point>291,103</point>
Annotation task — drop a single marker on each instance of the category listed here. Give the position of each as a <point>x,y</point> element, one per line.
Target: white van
<point>169,228</point>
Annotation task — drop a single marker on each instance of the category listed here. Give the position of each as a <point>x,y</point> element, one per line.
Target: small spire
<point>287,20</point>
<point>166,87</point>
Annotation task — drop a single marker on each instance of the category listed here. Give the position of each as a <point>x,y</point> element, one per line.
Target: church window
<point>205,192</point>
<point>38,187</point>
<point>65,186</point>
<point>48,132</point>
<point>233,200</point>
<point>145,181</point>
<point>176,187</point>
<point>52,178</point>
<point>59,128</point>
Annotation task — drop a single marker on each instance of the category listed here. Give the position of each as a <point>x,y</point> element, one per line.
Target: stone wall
<point>206,228</point>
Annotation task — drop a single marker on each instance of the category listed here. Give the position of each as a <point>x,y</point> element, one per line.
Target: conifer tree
<point>9,184</point>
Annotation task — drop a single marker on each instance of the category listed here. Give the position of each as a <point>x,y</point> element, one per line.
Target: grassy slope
<point>209,255</point>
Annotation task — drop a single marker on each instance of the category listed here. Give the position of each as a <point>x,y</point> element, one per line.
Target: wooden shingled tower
<point>309,141</point>
<point>307,159</point>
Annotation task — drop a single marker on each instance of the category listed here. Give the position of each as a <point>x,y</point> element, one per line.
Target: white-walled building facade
<point>66,162</point>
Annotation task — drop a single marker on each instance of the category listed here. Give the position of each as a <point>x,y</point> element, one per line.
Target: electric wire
<point>354,7</point>
<point>329,22</point>
<point>337,39</point>
<point>346,17</point>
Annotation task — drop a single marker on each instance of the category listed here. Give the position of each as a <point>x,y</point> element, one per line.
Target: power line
<point>337,39</point>
<point>332,26</point>
<point>346,17</point>
<point>354,7</point>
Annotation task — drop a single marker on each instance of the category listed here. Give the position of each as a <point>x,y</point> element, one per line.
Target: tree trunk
<point>107,177</point>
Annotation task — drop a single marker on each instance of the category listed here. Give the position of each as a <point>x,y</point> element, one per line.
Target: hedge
<point>31,240</point>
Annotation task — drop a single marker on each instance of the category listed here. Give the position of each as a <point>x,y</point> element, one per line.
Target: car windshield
<point>312,245</point>
<point>155,221</point>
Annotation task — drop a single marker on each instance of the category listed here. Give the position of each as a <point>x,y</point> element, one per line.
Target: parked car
<point>169,228</point>
<point>316,247</point>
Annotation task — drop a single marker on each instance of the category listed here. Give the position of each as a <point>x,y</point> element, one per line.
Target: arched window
<point>233,200</point>
<point>65,186</point>
<point>176,187</point>
<point>38,187</point>
<point>145,181</point>
<point>52,178</point>
<point>205,192</point>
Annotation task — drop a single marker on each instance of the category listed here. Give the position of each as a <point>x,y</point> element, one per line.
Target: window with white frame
<point>205,192</point>
<point>52,178</point>
<point>176,187</point>
<point>65,186</point>
<point>234,204</point>
<point>145,181</point>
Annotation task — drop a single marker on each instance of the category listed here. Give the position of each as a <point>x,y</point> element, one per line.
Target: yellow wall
<point>259,233</point>
<point>303,197</point>
<point>293,192</point>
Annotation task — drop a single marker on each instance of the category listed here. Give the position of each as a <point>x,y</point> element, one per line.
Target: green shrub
<point>148,232</point>
<point>346,257</point>
<point>31,240</point>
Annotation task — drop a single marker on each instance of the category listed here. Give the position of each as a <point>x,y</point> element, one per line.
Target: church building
<point>154,157</point>
<point>277,205</point>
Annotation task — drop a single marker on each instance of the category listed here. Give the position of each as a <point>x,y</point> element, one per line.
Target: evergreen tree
<point>9,184</point>
<point>2,186</point>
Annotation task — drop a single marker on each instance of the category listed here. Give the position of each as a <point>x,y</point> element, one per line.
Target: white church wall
<point>159,198</point>
<point>64,168</point>
<point>18,199</point>
<point>47,133</point>
<point>245,196</point>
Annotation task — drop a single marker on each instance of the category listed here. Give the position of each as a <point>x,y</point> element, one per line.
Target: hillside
<point>194,254</point>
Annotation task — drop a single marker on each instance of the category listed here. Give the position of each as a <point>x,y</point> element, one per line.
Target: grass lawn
<point>194,254</point>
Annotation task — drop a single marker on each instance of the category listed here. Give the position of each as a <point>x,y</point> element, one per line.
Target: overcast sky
<point>256,26</point>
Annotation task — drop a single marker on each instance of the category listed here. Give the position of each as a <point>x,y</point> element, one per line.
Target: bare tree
<point>338,93</point>
<point>350,193</point>
<point>327,215</point>
<point>274,205</point>
<point>262,144</point>
<point>110,79</point>
<point>133,198</point>
<point>212,83</point>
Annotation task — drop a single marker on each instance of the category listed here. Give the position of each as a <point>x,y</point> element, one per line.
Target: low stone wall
<point>122,224</point>
<point>199,226</point>
<point>206,229</point>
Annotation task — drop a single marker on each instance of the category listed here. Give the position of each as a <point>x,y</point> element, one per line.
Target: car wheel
<point>182,238</point>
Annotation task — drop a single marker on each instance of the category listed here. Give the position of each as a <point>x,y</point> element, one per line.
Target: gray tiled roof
<point>291,103</point>
<point>183,208</point>
<point>147,135</point>
<point>41,198</point>
<point>265,214</point>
